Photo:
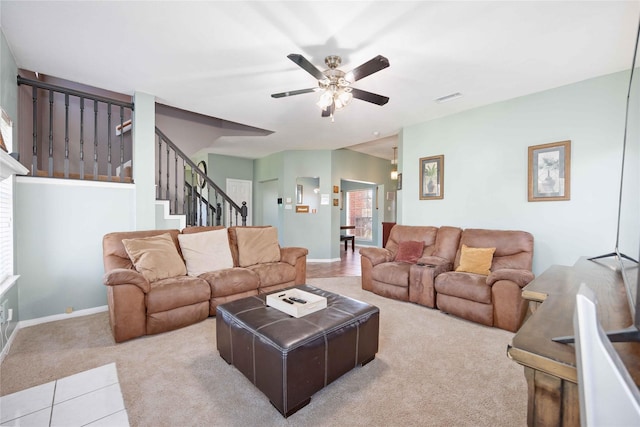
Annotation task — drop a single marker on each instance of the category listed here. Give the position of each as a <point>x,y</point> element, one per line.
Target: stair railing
<point>51,122</point>
<point>190,191</point>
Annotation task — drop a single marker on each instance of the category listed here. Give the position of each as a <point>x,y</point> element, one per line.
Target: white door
<point>240,190</point>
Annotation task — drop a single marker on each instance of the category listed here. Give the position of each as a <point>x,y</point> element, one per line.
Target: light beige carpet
<point>432,369</point>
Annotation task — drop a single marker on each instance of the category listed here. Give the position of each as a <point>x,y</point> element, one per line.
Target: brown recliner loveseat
<point>386,272</point>
<point>492,298</point>
<point>139,306</point>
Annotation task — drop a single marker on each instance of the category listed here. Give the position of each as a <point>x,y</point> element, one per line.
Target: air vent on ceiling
<point>450,97</point>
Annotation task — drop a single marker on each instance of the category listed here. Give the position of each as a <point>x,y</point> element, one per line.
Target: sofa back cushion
<point>114,255</point>
<point>447,242</point>
<point>155,257</point>
<point>514,249</point>
<point>257,245</point>
<point>404,233</point>
<point>206,251</point>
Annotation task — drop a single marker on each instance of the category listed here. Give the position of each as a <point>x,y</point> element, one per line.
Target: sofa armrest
<point>290,255</point>
<point>126,276</point>
<point>440,265</point>
<point>376,255</point>
<point>517,276</point>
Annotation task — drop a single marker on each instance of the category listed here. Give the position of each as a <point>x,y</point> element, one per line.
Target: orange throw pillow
<point>476,260</point>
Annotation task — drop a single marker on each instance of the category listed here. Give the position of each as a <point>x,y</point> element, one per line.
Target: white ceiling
<point>224,59</point>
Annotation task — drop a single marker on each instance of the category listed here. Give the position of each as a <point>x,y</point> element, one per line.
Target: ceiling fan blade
<point>373,98</point>
<point>293,92</point>
<point>328,112</point>
<point>306,65</point>
<point>372,66</point>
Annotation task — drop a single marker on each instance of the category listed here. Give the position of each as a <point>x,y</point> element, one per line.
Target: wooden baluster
<point>81,138</point>
<point>50,172</point>
<point>121,144</point>
<point>109,166</point>
<point>95,140</point>
<point>34,158</point>
<point>66,135</point>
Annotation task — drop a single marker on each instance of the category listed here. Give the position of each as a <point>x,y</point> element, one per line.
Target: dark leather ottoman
<point>290,358</point>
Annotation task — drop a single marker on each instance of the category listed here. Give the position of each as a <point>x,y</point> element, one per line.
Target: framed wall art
<point>549,172</point>
<point>432,178</point>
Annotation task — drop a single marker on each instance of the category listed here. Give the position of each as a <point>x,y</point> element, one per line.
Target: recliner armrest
<point>376,255</point>
<point>519,277</point>
<point>440,265</point>
<point>126,276</point>
<point>290,255</point>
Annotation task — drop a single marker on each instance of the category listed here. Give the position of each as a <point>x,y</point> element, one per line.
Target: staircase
<point>67,125</point>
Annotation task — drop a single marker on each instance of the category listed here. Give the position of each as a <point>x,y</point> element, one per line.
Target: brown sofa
<point>493,299</point>
<point>138,306</point>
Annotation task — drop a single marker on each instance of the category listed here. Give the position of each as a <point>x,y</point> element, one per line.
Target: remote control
<point>287,300</point>
<point>296,299</point>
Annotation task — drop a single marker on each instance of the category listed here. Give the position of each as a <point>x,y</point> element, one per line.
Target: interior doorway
<point>240,190</point>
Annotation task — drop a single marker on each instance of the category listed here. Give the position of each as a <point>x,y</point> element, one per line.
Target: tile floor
<point>91,398</point>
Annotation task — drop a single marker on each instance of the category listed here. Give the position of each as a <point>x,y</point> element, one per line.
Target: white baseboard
<point>55,317</point>
<point>32,322</point>
<point>4,351</point>
<point>324,260</point>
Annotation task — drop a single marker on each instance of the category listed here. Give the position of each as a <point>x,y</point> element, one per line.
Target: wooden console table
<point>550,367</point>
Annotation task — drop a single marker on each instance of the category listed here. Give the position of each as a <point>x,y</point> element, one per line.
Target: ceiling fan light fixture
<point>326,99</point>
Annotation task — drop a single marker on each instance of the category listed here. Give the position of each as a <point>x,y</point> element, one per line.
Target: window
<point>359,205</point>
<point>6,203</point>
<point>6,229</point>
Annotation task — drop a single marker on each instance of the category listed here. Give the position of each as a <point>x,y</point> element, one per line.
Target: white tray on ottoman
<point>295,308</point>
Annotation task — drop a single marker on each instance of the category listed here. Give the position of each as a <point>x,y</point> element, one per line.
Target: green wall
<point>319,232</point>
<point>485,172</point>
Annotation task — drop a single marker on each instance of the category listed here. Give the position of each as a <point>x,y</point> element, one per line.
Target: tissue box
<point>313,302</point>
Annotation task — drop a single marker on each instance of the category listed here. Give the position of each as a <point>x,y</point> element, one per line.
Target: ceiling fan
<point>335,84</point>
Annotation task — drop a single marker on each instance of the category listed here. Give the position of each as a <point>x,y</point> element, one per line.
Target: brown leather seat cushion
<point>174,292</point>
<point>468,286</point>
<point>273,273</point>
<point>231,281</point>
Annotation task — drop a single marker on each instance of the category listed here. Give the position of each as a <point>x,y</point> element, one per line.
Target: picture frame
<point>549,174</point>
<point>302,208</point>
<point>336,202</point>
<point>336,189</point>
<point>432,177</point>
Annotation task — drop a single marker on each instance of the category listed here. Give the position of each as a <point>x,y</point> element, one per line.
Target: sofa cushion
<point>155,257</point>
<point>468,286</point>
<point>257,245</point>
<point>274,273</point>
<point>231,281</point>
<point>476,260</point>
<point>170,293</point>
<point>409,251</point>
<point>206,251</point>
<point>393,273</point>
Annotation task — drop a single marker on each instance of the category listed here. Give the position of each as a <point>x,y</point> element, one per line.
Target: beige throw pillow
<point>206,251</point>
<point>476,260</point>
<point>257,245</point>
<point>155,257</point>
